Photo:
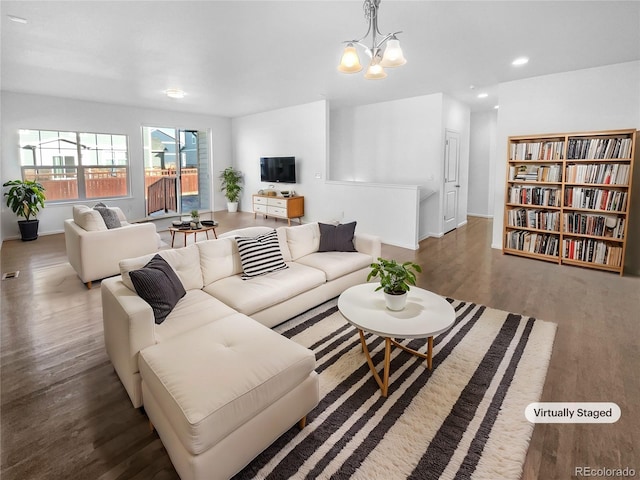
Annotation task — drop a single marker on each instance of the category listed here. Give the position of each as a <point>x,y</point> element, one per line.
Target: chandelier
<point>391,57</point>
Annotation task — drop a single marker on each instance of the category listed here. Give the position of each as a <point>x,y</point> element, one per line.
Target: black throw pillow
<point>158,285</point>
<point>337,238</point>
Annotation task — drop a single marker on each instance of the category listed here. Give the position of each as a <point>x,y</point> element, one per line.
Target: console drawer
<point>277,202</point>
<point>277,211</point>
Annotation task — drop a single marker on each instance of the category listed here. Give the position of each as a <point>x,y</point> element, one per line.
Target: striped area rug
<point>462,420</point>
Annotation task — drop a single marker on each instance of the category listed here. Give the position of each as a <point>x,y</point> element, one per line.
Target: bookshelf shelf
<point>536,256</point>
<point>529,229</point>
<point>579,183</point>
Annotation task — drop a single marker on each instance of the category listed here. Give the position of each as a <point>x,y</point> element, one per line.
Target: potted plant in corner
<point>395,279</point>
<point>230,185</point>
<point>25,198</point>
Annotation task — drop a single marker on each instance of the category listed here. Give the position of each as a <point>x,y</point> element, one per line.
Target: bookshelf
<point>568,197</point>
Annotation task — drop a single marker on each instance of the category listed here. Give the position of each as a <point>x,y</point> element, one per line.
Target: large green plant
<point>395,277</point>
<point>230,180</point>
<point>25,198</point>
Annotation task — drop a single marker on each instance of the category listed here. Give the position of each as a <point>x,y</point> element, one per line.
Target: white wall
<point>401,142</point>
<point>603,98</point>
<point>388,142</point>
<point>23,111</point>
<point>389,211</point>
<point>482,163</point>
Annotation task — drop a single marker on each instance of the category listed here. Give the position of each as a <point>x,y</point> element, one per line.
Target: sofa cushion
<point>88,218</point>
<point>215,378</point>
<point>159,286</point>
<point>303,239</point>
<point>185,261</point>
<point>260,255</point>
<point>337,264</point>
<point>219,259</point>
<point>262,292</point>
<point>195,309</point>
<point>336,238</point>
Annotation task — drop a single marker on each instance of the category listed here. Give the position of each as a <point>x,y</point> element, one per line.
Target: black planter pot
<point>28,229</point>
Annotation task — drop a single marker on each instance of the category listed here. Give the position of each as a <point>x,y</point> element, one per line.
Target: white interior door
<point>451,182</point>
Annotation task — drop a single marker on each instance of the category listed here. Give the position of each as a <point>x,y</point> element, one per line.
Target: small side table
<point>195,231</point>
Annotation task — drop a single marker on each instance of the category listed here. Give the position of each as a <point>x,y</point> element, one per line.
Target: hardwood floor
<point>65,415</point>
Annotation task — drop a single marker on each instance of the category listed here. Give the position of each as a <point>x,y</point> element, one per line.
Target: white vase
<point>395,302</point>
<point>232,207</point>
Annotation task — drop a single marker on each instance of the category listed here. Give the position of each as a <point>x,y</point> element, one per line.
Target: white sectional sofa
<point>156,362</point>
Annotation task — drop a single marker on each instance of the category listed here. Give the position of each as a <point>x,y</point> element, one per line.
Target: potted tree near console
<point>25,198</point>
<point>395,279</point>
<point>230,185</point>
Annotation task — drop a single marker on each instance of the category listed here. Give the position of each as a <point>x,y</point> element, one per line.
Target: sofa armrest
<point>370,244</point>
<point>96,254</point>
<point>129,327</point>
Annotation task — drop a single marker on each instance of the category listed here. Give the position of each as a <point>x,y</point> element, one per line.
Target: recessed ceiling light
<point>13,18</point>
<point>174,93</point>
<point>520,61</point>
<point>483,95</point>
<point>496,107</point>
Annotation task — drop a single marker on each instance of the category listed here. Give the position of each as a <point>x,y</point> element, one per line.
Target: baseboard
<point>480,215</point>
<point>402,245</point>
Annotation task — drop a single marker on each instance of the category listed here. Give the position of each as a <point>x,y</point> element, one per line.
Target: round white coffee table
<point>425,315</point>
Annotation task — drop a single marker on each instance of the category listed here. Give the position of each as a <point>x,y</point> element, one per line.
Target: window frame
<point>82,168</point>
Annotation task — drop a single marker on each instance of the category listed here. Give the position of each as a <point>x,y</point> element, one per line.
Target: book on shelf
<point>596,199</point>
<point>599,148</point>
<point>604,173</point>
<point>528,195</point>
<point>593,224</point>
<point>536,173</point>
<point>592,251</point>
<point>541,150</point>
<point>532,242</point>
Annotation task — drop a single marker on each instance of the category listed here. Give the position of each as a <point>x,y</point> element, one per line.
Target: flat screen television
<point>278,169</point>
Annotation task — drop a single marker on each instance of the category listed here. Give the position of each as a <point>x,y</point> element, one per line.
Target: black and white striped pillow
<point>260,255</point>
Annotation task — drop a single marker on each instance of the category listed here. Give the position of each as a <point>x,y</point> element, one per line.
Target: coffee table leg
<point>387,362</point>
<point>173,237</point>
<point>383,384</point>
<point>429,352</point>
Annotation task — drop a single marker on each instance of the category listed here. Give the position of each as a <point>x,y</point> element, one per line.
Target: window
<point>75,165</point>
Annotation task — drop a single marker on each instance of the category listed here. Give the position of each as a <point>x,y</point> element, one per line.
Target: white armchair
<point>95,251</point>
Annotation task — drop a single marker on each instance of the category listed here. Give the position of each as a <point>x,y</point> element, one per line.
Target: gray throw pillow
<point>158,285</point>
<point>110,217</point>
<point>337,238</point>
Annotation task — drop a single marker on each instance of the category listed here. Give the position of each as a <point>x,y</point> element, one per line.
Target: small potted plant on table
<point>25,198</point>
<point>195,219</point>
<point>395,280</point>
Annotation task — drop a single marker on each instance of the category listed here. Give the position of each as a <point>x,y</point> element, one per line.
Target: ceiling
<point>234,58</point>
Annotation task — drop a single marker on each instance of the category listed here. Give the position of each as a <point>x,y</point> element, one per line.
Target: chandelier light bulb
<point>393,56</point>
<point>174,93</point>
<point>375,72</point>
<point>350,62</point>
